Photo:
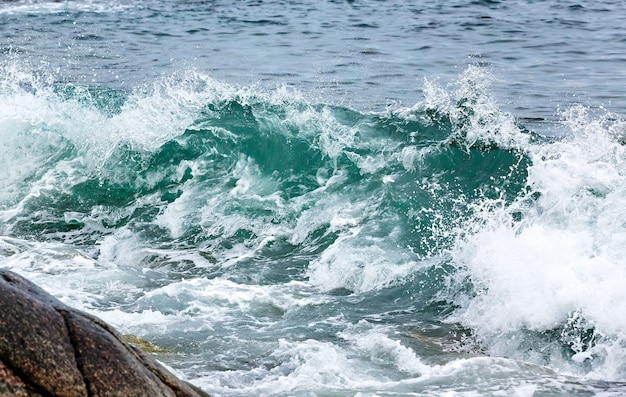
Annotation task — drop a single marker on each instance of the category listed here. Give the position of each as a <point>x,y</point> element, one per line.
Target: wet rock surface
<point>50,349</point>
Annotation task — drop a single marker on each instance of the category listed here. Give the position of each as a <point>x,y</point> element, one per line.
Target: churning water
<point>332,198</point>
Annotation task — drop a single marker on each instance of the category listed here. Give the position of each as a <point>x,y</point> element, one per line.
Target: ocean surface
<point>328,198</point>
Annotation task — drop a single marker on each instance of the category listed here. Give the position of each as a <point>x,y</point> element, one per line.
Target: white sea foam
<point>48,7</point>
<point>475,115</point>
<point>362,368</point>
<point>360,263</point>
<point>71,275</point>
<point>563,261</point>
<point>150,115</point>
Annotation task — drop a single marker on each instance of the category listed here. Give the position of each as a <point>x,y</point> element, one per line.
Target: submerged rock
<point>50,349</point>
<point>144,345</point>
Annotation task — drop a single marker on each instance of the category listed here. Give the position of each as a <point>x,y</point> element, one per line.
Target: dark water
<point>362,53</point>
<point>359,198</point>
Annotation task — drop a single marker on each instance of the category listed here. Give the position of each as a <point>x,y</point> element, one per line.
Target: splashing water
<point>281,247</point>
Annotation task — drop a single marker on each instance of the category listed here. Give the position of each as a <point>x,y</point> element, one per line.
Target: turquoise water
<point>331,198</point>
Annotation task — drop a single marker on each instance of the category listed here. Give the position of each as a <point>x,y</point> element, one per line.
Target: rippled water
<point>327,198</point>
<point>364,53</point>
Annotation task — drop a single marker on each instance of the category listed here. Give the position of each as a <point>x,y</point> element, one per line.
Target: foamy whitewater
<point>316,199</point>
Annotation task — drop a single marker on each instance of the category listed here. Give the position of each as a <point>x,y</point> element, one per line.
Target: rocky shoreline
<point>50,349</point>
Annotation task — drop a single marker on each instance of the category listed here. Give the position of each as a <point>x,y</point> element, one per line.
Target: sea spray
<point>545,271</point>
<point>276,246</point>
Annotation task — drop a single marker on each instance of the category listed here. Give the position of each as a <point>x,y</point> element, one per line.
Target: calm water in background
<point>328,198</point>
<point>363,53</point>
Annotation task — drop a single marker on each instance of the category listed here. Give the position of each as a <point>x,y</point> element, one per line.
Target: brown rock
<point>34,340</point>
<point>13,386</point>
<point>50,349</point>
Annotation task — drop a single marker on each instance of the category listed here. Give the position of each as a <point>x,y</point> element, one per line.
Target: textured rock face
<point>49,349</point>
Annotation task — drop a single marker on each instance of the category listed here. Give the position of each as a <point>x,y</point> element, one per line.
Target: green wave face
<point>238,168</point>
<point>273,218</point>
